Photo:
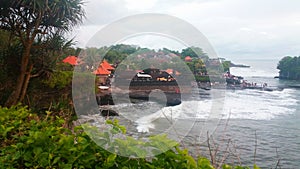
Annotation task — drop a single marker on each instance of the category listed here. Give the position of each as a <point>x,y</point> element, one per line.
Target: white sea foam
<point>186,110</point>
<point>241,104</point>
<point>259,105</point>
<point>182,111</point>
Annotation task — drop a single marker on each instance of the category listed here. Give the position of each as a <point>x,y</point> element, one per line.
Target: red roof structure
<point>106,65</point>
<point>72,60</point>
<point>101,71</point>
<point>170,71</point>
<point>188,59</point>
<point>177,73</point>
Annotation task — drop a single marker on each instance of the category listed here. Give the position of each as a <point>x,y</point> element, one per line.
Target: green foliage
<point>225,166</point>
<point>197,66</point>
<point>226,65</point>
<point>63,79</point>
<point>289,68</point>
<point>28,141</point>
<point>59,79</point>
<point>38,27</point>
<point>126,49</point>
<point>46,15</point>
<point>202,78</point>
<point>194,52</point>
<point>115,140</point>
<point>204,163</point>
<point>168,51</point>
<point>113,54</point>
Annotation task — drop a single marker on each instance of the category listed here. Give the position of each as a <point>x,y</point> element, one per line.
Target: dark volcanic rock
<point>108,112</point>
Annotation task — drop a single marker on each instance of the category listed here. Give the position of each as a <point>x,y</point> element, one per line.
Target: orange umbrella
<point>101,71</point>
<point>72,60</point>
<point>188,58</point>
<point>106,65</point>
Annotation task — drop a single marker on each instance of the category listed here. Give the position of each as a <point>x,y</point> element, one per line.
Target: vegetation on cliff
<point>41,134</point>
<point>289,68</point>
<point>34,31</point>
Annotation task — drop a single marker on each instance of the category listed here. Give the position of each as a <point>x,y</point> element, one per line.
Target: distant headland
<point>239,65</point>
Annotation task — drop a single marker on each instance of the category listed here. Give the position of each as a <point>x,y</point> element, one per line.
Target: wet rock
<point>108,112</point>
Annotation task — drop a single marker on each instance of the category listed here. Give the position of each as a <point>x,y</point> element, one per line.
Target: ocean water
<point>245,126</point>
<point>269,120</point>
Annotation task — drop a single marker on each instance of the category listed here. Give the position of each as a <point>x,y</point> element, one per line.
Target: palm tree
<point>32,20</point>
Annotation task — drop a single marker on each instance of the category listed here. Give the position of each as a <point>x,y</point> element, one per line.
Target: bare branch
<point>210,150</point>
<point>37,74</point>
<point>278,161</point>
<point>226,154</point>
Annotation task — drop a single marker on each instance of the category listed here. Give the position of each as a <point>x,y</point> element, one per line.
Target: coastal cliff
<point>289,68</point>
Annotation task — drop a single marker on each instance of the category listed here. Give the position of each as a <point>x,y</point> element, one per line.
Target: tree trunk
<point>15,95</point>
<point>25,85</point>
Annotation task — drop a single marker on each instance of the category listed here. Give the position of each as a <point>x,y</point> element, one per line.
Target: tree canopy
<point>194,52</point>
<point>289,68</point>
<point>32,26</point>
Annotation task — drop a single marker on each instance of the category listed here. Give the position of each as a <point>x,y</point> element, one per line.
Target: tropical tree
<point>226,65</point>
<point>289,68</point>
<point>126,49</point>
<point>33,22</point>
<point>167,51</point>
<point>194,52</point>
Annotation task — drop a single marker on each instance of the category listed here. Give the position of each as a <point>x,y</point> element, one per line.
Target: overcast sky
<point>242,29</point>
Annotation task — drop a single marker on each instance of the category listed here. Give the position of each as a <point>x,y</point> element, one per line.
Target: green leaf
<point>226,166</point>
<point>255,167</point>
<point>66,166</point>
<point>56,159</point>
<point>28,164</point>
<point>37,150</point>
<point>241,167</point>
<point>204,163</point>
<point>6,130</point>
<point>110,160</point>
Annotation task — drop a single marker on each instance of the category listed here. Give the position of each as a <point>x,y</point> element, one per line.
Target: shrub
<point>27,141</point>
<point>30,142</point>
<point>59,79</point>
